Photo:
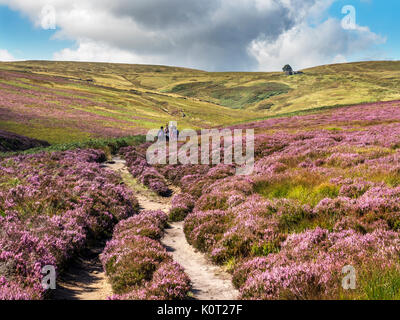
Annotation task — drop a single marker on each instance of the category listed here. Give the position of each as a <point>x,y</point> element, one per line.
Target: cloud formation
<point>206,34</point>
<point>6,56</point>
<point>306,46</point>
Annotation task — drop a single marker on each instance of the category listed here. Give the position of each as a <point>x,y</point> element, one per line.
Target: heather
<point>309,265</point>
<point>138,266</point>
<point>150,224</point>
<point>143,172</point>
<point>181,205</point>
<point>51,205</point>
<point>68,102</point>
<point>134,98</point>
<point>324,194</point>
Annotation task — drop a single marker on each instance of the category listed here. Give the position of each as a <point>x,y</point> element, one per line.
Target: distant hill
<point>14,142</point>
<point>74,101</point>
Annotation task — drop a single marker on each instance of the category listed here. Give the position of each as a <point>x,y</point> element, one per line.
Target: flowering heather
<point>332,175</point>
<point>204,229</point>
<point>138,266</point>
<point>309,264</point>
<point>169,282</point>
<point>181,205</point>
<point>50,205</point>
<point>324,194</point>
<point>149,224</point>
<point>146,174</point>
<point>25,97</point>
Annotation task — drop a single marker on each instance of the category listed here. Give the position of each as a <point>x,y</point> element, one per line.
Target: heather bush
<point>169,282</point>
<point>149,224</point>
<point>344,160</point>
<point>130,262</point>
<point>309,264</point>
<point>51,205</point>
<point>177,214</point>
<point>138,266</point>
<point>175,173</point>
<point>352,188</point>
<point>318,199</point>
<point>146,174</point>
<point>181,205</point>
<point>246,268</point>
<point>258,227</point>
<point>204,229</point>
<point>213,201</point>
<point>17,290</point>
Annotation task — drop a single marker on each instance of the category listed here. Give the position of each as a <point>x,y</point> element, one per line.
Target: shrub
<point>149,224</point>
<point>55,205</point>
<point>131,261</point>
<point>138,266</point>
<point>204,229</point>
<point>146,174</point>
<point>301,269</point>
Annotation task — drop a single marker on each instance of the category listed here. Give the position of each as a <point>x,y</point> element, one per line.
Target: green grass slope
<point>69,102</point>
<point>63,102</point>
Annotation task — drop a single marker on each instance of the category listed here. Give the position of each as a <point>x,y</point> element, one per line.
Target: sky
<point>212,35</point>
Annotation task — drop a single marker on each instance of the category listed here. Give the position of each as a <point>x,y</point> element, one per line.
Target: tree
<point>287,68</point>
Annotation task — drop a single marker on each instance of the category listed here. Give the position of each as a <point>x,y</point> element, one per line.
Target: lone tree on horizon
<point>287,69</point>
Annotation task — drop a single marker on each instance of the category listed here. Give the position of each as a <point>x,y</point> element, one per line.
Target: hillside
<point>275,93</point>
<point>70,101</point>
<point>14,142</point>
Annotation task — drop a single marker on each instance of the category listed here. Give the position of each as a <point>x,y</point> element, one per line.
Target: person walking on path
<point>167,132</point>
<point>161,134</point>
<point>173,133</point>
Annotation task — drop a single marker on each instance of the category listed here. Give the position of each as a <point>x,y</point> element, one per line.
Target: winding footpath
<point>209,282</point>
<point>86,280</point>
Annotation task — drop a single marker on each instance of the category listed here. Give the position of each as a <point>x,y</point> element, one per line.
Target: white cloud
<point>304,46</point>
<point>6,56</point>
<point>206,34</point>
<point>97,52</point>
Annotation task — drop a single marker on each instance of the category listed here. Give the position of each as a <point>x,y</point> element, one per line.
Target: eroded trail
<point>210,282</point>
<point>86,280</point>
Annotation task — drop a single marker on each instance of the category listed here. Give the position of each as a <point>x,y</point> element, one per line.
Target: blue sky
<point>381,16</point>
<point>256,35</point>
<point>23,40</point>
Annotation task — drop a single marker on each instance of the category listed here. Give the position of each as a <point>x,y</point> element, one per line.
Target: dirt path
<point>86,280</point>
<point>147,199</point>
<point>210,282</point>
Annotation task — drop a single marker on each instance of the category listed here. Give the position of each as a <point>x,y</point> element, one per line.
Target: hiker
<point>161,134</point>
<point>167,132</point>
<point>173,133</point>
